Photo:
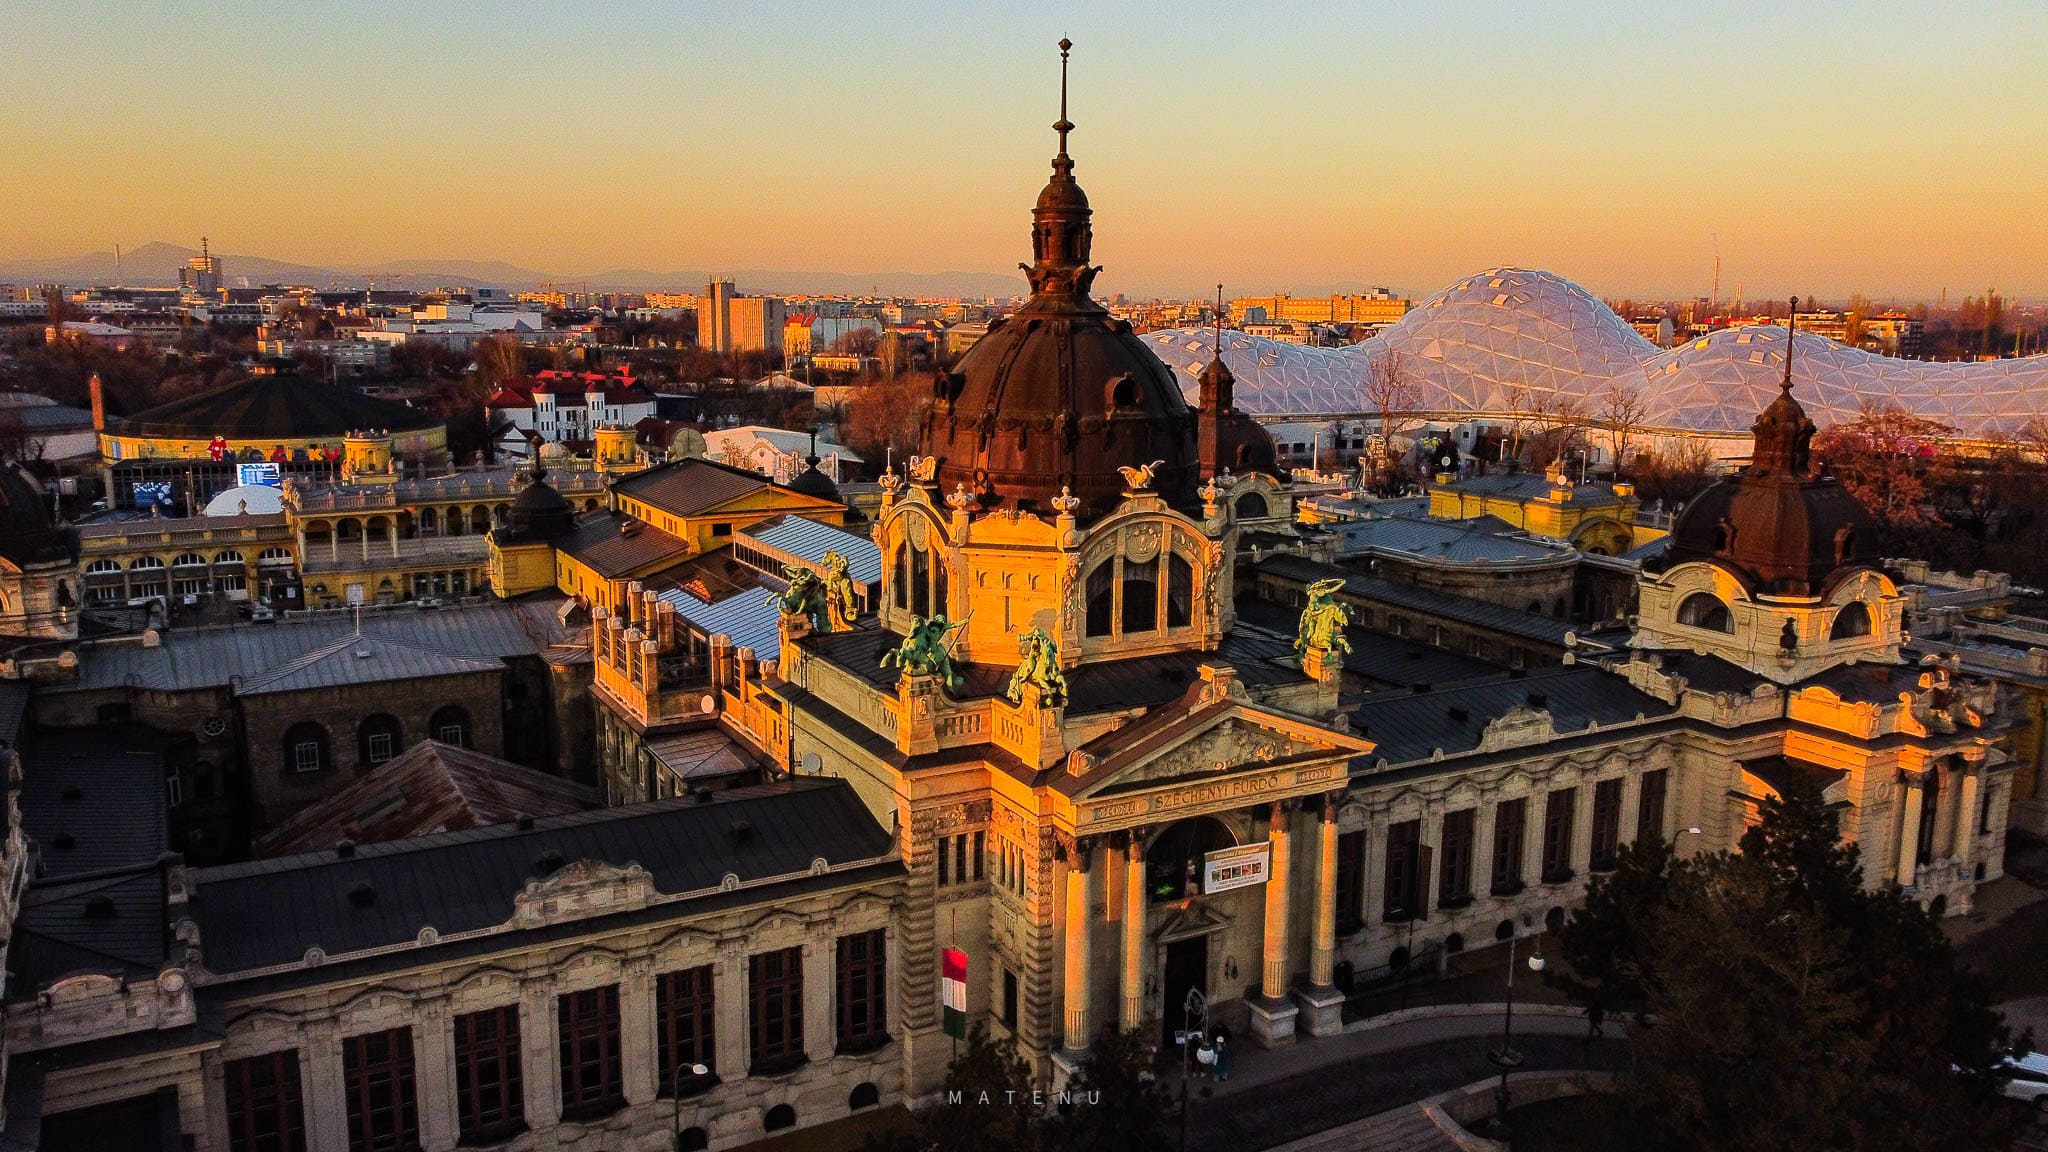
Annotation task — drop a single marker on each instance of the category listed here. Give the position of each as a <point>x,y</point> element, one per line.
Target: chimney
<point>99,403</point>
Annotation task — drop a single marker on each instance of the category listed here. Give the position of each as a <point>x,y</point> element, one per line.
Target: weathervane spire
<point>1791,337</point>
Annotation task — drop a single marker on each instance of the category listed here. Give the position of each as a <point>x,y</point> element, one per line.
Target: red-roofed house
<point>562,406</point>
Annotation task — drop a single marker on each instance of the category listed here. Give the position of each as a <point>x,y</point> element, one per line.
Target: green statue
<point>842,603</point>
<point>924,652</point>
<point>1040,666</point>
<point>1323,621</point>
<point>805,597</point>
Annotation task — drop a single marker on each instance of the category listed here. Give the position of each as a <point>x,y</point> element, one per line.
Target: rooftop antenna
<point>1717,273</point>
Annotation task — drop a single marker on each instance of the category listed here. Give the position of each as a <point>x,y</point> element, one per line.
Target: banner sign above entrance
<point>1240,867</point>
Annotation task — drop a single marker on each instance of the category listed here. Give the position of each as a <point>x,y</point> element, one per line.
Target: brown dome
<point>1061,394</point>
<point>1777,527</point>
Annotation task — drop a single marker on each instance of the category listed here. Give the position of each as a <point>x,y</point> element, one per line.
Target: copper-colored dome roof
<point>1778,527</point>
<point>1061,394</point>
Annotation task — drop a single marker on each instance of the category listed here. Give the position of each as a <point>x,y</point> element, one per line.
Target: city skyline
<point>1299,151</point>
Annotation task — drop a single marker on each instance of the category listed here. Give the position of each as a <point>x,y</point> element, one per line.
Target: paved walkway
<point>1316,1086</point>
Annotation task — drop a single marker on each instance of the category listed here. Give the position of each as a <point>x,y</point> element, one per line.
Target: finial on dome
<point>1791,338</point>
<point>1064,126</point>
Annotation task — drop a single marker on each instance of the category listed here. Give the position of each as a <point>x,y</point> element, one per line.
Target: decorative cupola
<point>1229,441</point>
<point>1774,569</point>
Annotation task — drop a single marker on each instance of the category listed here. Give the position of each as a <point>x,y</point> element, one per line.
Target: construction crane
<point>1716,310</point>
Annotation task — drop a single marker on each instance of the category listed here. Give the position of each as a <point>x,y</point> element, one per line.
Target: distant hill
<point>157,264</point>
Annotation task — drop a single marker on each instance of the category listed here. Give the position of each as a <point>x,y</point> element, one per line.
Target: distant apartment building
<point>668,300</point>
<point>556,406</point>
<point>1379,306</point>
<point>1656,329</point>
<point>728,322</point>
<point>202,273</point>
<point>1891,333</point>
<point>807,334</point>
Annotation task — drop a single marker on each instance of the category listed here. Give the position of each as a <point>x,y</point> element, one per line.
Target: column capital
<point>1332,801</point>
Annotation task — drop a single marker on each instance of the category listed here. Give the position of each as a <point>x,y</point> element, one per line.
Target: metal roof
<point>1413,726</point>
<point>701,754</point>
<point>1479,540</point>
<point>809,540</point>
<point>1533,486</point>
<point>360,659</point>
<point>748,617</point>
<point>687,487</point>
<point>272,912</point>
<point>1478,613</point>
<point>195,658</point>
<point>601,542</point>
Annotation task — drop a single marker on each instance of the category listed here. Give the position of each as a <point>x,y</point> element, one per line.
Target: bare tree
<point>1622,411</point>
<point>1555,427</point>
<point>1390,392</point>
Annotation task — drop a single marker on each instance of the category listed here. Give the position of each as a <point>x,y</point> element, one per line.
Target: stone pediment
<point>1196,918</point>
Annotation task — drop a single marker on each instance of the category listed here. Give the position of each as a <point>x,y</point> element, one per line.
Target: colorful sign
<point>953,992</point>
<point>150,493</point>
<point>1239,867</point>
<point>269,475</point>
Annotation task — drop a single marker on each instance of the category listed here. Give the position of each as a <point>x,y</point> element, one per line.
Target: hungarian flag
<point>953,991</point>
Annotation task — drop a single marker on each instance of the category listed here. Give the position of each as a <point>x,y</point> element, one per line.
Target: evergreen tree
<point>1117,1105</point>
<point>1791,1008</point>
<point>987,1103</point>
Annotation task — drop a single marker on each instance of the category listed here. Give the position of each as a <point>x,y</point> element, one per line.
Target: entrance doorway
<point>1187,966</point>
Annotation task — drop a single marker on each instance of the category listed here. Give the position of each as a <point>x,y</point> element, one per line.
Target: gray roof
<point>360,659</point>
<point>196,658</point>
<point>13,706</point>
<point>686,487</point>
<point>747,617</point>
<point>1375,655</point>
<point>1479,540</point>
<point>1412,726</point>
<point>1478,613</point>
<point>271,912</point>
<point>809,540</point>
<point>601,541</point>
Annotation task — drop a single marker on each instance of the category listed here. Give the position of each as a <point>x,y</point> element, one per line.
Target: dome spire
<point>1060,234</point>
<point>1217,383</point>
<point>1784,435</point>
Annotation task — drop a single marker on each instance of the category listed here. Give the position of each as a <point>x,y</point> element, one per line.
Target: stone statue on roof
<point>924,651</point>
<point>1323,621</point>
<point>805,597</point>
<point>842,602</point>
<point>1040,666</point>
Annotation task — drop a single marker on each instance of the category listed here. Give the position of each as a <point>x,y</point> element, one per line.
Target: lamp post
<point>1505,1057</point>
<point>675,1096</point>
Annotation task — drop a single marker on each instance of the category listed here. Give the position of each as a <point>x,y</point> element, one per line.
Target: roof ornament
<point>1064,126</point>
<point>1784,434</point>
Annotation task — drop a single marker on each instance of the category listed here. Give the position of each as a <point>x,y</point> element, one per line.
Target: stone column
<point>1482,847</point>
<point>1273,1015</point>
<point>322,1094</point>
<point>820,1014</point>
<point>1322,1006</point>
<point>1323,960</point>
<point>637,1060</point>
<point>433,1062</point>
<point>1134,931</point>
<point>539,1055</point>
<point>1074,993</point>
<point>1909,829</point>
<point>1966,814</point>
<point>729,1012</point>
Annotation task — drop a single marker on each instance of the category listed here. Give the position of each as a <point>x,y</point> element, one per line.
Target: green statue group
<point>926,652</point>
<point>1323,621</point>
<point>830,603</point>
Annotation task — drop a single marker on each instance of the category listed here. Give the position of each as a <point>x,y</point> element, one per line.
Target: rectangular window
<point>1398,897</point>
<point>1606,823</point>
<point>1650,805</point>
<point>1009,1000</point>
<point>1455,873</point>
<point>1984,814</point>
<point>1557,834</point>
<point>775,1009</point>
<point>383,1113</point>
<point>380,747</point>
<point>960,859</point>
<point>592,1080</point>
<point>721,529</point>
<point>944,847</point>
<point>306,756</point>
<point>863,990</point>
<point>265,1112</point>
<point>489,1103</point>
<point>685,1032</point>
<point>1510,818</point>
<point>980,855</point>
<point>1350,881</point>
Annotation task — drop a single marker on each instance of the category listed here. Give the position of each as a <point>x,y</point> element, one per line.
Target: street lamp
<point>675,1095</point>
<point>1505,1057</point>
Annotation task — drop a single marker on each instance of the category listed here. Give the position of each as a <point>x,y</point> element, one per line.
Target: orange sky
<point>1893,150</point>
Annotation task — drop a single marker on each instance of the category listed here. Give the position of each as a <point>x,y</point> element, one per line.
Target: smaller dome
<point>538,512</point>
<point>812,482</point>
<point>246,499</point>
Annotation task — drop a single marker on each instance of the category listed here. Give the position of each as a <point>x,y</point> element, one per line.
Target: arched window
<point>450,725</point>
<point>1852,621</point>
<point>1101,597</point>
<point>1141,596</point>
<point>1173,861</point>
<point>104,568</point>
<point>903,577</point>
<point>779,1117</point>
<point>230,556</point>
<point>145,563</point>
<point>1252,506</point>
<point>1180,591</point>
<point>189,560</point>
<point>378,738</point>
<point>920,582</point>
<point>1845,545</point>
<point>272,556</point>
<point>1705,610</point>
<point>864,1095</point>
<point>306,748</point>
<point>427,522</point>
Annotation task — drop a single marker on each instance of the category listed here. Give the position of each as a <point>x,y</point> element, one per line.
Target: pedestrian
<point>1595,1017</point>
<point>1222,1059</point>
<point>1205,1059</point>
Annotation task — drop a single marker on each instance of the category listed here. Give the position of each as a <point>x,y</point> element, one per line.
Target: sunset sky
<point>1885,148</point>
